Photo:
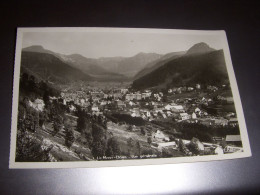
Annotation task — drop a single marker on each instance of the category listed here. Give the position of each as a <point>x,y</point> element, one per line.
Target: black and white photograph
<point>95,97</point>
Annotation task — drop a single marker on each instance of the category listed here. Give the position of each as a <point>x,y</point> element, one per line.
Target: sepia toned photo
<point>95,97</point>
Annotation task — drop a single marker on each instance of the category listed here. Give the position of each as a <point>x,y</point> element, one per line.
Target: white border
<point>233,83</point>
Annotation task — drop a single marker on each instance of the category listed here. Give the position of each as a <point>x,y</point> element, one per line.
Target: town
<point>179,121</point>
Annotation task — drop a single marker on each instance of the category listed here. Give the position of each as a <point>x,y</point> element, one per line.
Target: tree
<point>149,140</point>
<point>89,139</point>
<point>138,146</point>
<point>113,148</point>
<point>99,140</point>
<point>130,144</point>
<point>98,149</point>
<point>31,84</point>
<point>130,128</point>
<point>81,123</point>
<point>172,138</point>
<point>57,124</point>
<point>46,98</point>
<point>182,146</point>
<point>69,137</point>
<point>29,149</point>
<point>143,131</point>
<point>193,146</point>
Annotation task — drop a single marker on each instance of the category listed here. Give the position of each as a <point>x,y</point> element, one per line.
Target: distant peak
<point>200,48</point>
<point>34,47</point>
<point>75,55</point>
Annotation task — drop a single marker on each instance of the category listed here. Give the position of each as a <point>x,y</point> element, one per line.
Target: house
<point>120,104</point>
<point>232,149</point>
<point>95,108</point>
<point>72,108</point>
<point>138,96</point>
<point>123,91</point>
<point>146,95</point>
<point>212,88</point>
<point>95,94</point>
<point>197,110</point>
<point>167,144</point>
<point>160,136</point>
<point>177,108</point>
<point>234,140</point>
<point>184,116</point>
<point>193,116</point>
<point>230,100</point>
<point>198,86</point>
<point>168,107</point>
<point>206,122</point>
<point>148,113</point>
<point>143,116</point>
<point>129,96</point>
<point>164,115</point>
<point>169,113</point>
<point>38,104</point>
<point>131,103</point>
<point>218,150</point>
<point>233,122</point>
<point>103,103</point>
<point>221,121</point>
<point>135,114</point>
<point>190,89</point>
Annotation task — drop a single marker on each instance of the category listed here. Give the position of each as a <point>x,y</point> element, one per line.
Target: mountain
<point>199,65</point>
<point>48,67</point>
<point>87,65</point>
<point>128,66</point>
<point>91,67</point>
<point>199,48</point>
<point>109,63</point>
<point>196,49</point>
<point>37,48</point>
<point>157,63</point>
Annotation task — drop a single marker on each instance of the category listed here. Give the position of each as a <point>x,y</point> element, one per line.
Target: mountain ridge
<point>204,68</point>
<point>50,68</point>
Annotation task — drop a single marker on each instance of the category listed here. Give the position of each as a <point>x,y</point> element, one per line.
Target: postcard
<point>100,97</point>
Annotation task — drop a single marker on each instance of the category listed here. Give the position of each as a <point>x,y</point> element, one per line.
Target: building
<point>177,108</point>
<point>184,116</point>
<point>220,121</point>
<point>193,116</point>
<point>167,144</point>
<point>218,150</point>
<point>233,122</point>
<point>120,104</point>
<point>197,110</point>
<point>123,91</point>
<point>131,103</point>
<point>95,108</point>
<point>190,89</point>
<point>160,136</point>
<point>72,108</point>
<point>38,104</point>
<point>232,149</point>
<point>198,86</point>
<point>234,140</point>
<point>97,94</point>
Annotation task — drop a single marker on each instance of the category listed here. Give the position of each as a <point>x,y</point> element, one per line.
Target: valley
<point>73,108</point>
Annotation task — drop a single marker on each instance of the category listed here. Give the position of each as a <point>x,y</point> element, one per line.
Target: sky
<point>111,44</point>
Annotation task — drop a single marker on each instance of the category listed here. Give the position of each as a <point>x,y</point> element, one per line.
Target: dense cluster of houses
<point>149,105</point>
